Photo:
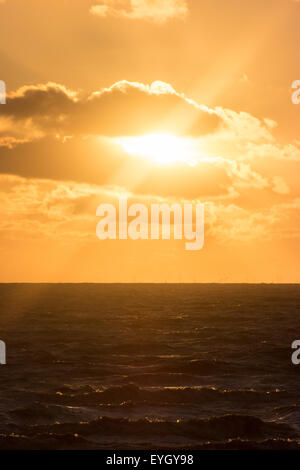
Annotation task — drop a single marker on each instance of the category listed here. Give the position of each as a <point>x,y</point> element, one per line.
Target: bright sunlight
<point>163,149</point>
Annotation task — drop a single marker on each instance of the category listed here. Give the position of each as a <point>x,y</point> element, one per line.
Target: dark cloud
<point>123,109</point>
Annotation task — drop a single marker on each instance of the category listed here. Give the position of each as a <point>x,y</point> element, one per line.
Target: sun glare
<point>163,149</point>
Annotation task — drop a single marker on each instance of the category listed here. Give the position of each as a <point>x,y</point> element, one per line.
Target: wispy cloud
<point>158,11</point>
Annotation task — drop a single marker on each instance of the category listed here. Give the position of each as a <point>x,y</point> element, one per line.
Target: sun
<point>163,149</point>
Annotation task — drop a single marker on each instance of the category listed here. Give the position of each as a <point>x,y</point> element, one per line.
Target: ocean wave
<point>211,429</point>
<point>169,395</point>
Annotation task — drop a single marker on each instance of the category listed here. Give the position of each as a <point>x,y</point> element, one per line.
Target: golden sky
<point>161,100</point>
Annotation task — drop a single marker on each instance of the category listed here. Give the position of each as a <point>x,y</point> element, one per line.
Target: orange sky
<point>88,80</point>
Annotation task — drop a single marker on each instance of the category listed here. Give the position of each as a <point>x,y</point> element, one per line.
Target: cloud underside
<point>158,11</point>
<point>126,108</point>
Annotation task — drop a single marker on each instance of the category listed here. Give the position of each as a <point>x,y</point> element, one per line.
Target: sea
<point>149,366</point>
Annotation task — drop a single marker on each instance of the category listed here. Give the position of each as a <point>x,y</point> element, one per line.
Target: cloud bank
<point>61,151</point>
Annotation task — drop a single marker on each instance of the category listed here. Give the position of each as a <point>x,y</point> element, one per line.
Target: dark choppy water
<point>149,366</point>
